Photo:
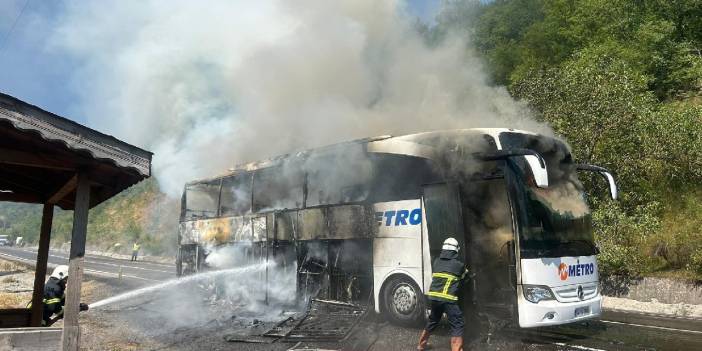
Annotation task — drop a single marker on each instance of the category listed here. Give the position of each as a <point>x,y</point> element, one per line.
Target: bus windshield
<point>557,220</point>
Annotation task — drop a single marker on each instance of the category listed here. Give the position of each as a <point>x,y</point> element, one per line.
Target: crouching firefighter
<point>55,296</point>
<point>448,274</point>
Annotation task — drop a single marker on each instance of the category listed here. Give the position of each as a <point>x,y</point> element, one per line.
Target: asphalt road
<point>615,330</point>
<point>136,273</point>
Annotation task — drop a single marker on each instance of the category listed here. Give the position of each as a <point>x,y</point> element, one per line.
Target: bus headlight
<point>536,293</point>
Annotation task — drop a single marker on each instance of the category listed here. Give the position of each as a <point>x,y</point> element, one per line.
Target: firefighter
<point>55,296</point>
<point>448,273</point>
<point>135,251</point>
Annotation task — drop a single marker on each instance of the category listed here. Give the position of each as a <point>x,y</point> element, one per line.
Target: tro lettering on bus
<point>401,217</point>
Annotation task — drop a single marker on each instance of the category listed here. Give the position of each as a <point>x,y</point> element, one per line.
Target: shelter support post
<point>40,271</point>
<point>71,329</point>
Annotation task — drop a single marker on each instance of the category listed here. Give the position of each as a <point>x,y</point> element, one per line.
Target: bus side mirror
<point>538,170</point>
<point>613,191</point>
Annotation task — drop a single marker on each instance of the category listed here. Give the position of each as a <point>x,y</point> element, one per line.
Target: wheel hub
<point>404,299</point>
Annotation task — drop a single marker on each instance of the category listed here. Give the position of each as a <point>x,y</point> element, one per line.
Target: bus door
<point>443,212</point>
<point>445,217</point>
<point>487,218</point>
<point>443,220</point>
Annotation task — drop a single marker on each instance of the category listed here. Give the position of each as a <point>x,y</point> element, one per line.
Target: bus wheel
<point>403,302</point>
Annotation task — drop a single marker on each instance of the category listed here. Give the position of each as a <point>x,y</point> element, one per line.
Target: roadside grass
<point>14,300</point>
<point>9,266</point>
<point>676,250</point>
<point>11,283</point>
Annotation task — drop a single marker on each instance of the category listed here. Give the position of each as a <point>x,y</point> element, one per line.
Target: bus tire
<point>403,302</point>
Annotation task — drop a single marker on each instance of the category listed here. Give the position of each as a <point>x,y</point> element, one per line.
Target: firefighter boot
<point>423,340</point>
<point>456,343</point>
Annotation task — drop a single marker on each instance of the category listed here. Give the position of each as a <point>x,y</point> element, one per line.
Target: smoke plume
<point>208,86</point>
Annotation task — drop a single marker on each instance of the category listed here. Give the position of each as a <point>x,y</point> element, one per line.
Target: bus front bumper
<point>553,312</point>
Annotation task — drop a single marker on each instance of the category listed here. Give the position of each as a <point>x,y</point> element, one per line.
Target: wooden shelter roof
<point>41,154</point>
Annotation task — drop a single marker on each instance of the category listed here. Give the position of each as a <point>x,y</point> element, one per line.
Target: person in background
<point>135,251</point>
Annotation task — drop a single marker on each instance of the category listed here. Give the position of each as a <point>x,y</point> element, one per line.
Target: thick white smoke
<point>207,85</point>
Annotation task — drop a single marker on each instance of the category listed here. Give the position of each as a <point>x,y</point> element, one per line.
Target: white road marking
<point>120,259</point>
<point>86,270</point>
<point>123,275</point>
<point>16,258</point>
<point>578,347</point>
<point>104,263</point>
<point>34,251</point>
<point>654,327</point>
<point>116,265</point>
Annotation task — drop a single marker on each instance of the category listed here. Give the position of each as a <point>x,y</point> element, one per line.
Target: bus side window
<point>399,177</point>
<point>336,179</point>
<point>236,195</point>
<point>202,200</point>
<point>278,188</point>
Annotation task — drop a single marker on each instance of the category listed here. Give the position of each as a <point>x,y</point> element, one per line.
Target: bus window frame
<point>311,183</point>
<point>247,176</point>
<point>184,200</point>
<point>263,175</point>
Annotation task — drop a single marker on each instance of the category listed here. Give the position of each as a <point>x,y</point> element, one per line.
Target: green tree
<point>658,38</point>
<point>601,107</point>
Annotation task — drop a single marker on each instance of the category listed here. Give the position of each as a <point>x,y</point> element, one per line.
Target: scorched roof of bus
<point>408,138</point>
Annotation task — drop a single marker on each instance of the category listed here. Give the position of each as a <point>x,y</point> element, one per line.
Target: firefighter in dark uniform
<point>448,273</point>
<point>55,296</point>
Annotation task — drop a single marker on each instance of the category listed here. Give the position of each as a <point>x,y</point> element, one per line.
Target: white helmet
<point>450,244</point>
<point>60,272</point>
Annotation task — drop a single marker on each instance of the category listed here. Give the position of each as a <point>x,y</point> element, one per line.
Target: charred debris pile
<point>322,321</point>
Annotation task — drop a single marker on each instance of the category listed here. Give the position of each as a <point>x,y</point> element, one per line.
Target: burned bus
<point>361,222</point>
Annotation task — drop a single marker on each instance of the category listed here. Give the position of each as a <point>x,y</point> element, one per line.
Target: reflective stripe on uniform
<point>444,293</point>
<point>46,302</point>
<point>443,296</point>
<point>444,275</point>
<point>448,284</point>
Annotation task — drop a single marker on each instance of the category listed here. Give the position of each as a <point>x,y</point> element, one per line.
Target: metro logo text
<point>399,217</point>
<point>575,270</point>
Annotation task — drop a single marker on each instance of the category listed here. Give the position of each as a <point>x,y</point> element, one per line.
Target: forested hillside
<point>621,81</point>
<point>139,213</point>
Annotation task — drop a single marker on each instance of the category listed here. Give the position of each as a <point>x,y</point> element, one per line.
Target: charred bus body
<point>362,221</point>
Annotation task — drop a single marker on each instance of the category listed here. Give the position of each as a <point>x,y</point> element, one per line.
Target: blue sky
<point>29,68</point>
<point>32,70</point>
